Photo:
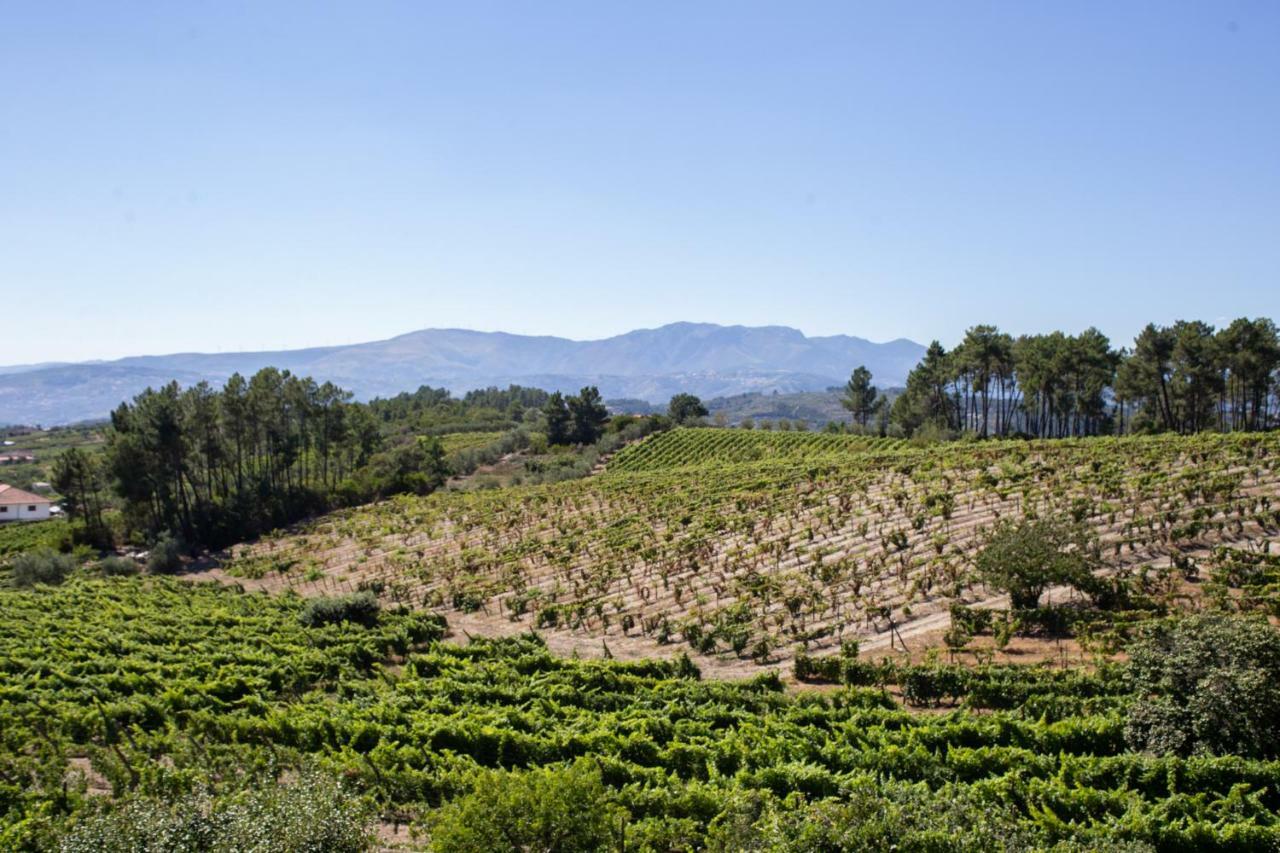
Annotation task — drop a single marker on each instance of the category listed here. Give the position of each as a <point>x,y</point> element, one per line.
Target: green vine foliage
<point>124,698</point>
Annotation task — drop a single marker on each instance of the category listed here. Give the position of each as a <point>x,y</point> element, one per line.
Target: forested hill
<point>649,364</point>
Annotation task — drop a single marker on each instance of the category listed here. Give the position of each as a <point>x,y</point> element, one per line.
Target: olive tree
<point>1024,558</point>
<point>43,565</point>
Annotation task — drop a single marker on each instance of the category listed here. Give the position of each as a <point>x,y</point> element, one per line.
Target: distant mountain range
<point>648,364</point>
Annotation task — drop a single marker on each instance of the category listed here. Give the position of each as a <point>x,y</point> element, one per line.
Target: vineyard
<point>693,447</point>
<point>17,538</point>
<point>814,540</point>
<point>134,688</point>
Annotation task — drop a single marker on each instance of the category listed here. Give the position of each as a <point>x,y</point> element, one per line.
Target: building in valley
<point>17,505</point>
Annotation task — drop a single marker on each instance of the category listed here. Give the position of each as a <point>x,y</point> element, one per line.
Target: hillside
<point>728,640</point>
<point>649,364</point>
<point>744,544</point>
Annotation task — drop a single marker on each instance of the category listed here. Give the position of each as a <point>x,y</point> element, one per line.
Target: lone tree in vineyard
<point>861,397</point>
<point>1025,558</point>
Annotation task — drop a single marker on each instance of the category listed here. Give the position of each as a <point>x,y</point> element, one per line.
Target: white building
<point>17,505</point>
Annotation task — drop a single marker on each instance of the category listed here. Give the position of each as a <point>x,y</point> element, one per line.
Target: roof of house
<point>9,495</point>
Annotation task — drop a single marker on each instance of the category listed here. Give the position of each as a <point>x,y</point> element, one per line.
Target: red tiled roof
<point>9,495</point>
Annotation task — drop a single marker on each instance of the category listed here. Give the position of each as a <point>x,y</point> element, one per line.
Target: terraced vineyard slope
<point>683,448</point>
<point>824,540</point>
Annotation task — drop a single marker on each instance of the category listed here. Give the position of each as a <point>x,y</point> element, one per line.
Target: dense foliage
<point>163,692</point>
<point>434,411</point>
<point>41,566</point>
<point>686,409</point>
<point>1208,684</point>
<point>312,814</point>
<point>217,465</point>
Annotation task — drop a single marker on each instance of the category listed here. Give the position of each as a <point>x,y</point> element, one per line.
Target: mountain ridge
<point>707,359</point>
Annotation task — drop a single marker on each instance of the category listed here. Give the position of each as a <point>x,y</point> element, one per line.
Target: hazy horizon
<point>579,339</point>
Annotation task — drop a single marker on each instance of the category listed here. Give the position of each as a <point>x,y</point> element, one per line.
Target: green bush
<point>844,668</point>
<point>314,814</point>
<point>166,556</point>
<point>1206,684</point>
<point>114,566</point>
<point>360,608</point>
<point>567,810</point>
<point>41,566</point>
<point>930,685</point>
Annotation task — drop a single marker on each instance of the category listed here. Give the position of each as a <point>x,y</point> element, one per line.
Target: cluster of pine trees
<point>579,419</point>
<point>214,466</point>
<point>1184,378</point>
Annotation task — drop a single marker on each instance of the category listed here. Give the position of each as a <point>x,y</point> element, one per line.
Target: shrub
<point>360,608</point>
<point>43,565</point>
<point>313,814</point>
<point>877,815</point>
<point>930,685</point>
<point>166,556</point>
<point>1207,684</point>
<point>845,668</point>
<point>563,809</point>
<point>974,620</point>
<point>809,668</point>
<point>114,566</point>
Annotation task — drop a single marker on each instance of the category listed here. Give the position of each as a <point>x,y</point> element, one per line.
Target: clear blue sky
<point>218,176</point>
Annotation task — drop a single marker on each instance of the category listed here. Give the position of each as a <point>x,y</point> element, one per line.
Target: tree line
<point>214,466</point>
<point>1187,377</point>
